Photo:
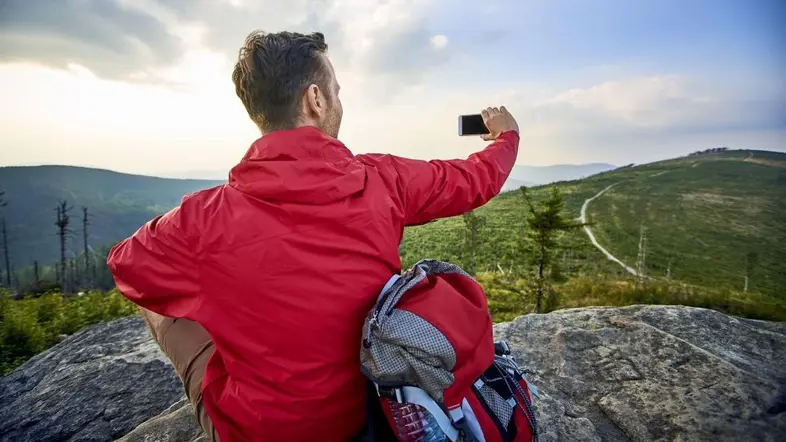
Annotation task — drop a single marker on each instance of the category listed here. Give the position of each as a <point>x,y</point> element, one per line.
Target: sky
<point>144,86</point>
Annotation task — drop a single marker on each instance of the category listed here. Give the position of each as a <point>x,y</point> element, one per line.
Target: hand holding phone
<point>490,123</point>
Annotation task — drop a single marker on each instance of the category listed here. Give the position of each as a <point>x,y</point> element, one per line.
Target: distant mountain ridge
<point>118,204</point>
<point>202,174</point>
<point>522,175</point>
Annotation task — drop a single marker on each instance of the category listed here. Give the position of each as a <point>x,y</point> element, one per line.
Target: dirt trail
<point>775,163</point>
<point>583,219</point>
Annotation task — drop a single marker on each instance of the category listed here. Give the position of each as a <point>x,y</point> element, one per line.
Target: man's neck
<point>298,126</point>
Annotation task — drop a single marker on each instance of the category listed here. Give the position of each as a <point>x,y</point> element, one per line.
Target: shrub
<point>33,324</point>
<point>508,300</point>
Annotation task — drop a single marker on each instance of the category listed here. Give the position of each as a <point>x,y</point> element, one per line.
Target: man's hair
<point>271,72</point>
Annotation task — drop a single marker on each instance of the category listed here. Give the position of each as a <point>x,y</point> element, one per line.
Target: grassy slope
<point>703,214</point>
<point>118,204</point>
<point>703,217</point>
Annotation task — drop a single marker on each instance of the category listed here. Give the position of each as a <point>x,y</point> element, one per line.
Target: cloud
<point>629,119</point>
<point>645,118</point>
<point>407,69</point>
<point>663,102</point>
<point>112,41</point>
<point>385,45</point>
<point>439,41</point>
<point>137,40</point>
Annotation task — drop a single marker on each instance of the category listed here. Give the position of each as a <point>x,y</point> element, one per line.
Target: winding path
<point>583,219</point>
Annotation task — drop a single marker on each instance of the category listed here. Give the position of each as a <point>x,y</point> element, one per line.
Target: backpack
<point>433,370</point>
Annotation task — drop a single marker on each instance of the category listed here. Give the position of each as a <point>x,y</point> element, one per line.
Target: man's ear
<point>313,101</point>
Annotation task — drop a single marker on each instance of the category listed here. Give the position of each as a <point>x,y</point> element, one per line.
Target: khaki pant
<point>188,346</point>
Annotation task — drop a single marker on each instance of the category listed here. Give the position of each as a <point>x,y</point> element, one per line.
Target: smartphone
<point>471,125</point>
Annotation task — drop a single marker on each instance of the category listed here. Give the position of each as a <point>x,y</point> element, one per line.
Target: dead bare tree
<point>6,253</point>
<point>751,260</point>
<point>63,232</point>
<point>74,276</point>
<point>641,259</point>
<point>668,271</point>
<point>85,223</point>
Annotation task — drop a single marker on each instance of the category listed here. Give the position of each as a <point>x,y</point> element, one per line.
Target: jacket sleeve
<point>445,188</point>
<point>155,267</point>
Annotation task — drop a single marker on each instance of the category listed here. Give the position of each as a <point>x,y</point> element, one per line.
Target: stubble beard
<point>332,124</point>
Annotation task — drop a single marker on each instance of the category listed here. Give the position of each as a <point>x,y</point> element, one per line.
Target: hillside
<point>522,175</point>
<point>117,203</point>
<point>702,215</point>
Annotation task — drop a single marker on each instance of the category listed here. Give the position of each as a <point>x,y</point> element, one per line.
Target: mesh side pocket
<point>499,406</point>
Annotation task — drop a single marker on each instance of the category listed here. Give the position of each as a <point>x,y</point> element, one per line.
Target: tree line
<point>87,271</point>
<point>709,151</point>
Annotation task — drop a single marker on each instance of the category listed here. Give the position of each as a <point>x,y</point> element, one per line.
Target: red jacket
<point>282,264</point>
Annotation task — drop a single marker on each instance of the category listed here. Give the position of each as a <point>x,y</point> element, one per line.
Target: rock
<point>95,385</point>
<point>640,373</point>
<point>176,424</point>
<point>653,373</point>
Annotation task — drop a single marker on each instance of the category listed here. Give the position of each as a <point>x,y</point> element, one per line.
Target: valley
<point>712,220</point>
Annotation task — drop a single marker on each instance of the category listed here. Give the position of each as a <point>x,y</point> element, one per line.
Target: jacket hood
<point>302,165</point>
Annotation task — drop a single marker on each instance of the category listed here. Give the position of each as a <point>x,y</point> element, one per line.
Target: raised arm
<point>444,188</point>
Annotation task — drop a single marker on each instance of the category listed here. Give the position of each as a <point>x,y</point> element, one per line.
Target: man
<point>257,289</point>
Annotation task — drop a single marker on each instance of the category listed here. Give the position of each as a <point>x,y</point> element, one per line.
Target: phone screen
<point>472,125</point>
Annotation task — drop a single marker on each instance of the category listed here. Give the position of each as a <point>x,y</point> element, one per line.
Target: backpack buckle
<point>392,393</point>
<point>501,348</point>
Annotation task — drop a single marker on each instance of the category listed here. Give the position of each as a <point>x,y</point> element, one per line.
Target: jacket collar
<point>302,165</point>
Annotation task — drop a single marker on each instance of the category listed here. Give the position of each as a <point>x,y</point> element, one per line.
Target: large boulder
<point>96,385</point>
<point>641,373</point>
<point>176,424</point>
<point>653,373</point>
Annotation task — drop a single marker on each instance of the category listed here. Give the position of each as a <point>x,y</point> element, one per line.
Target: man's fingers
<point>498,120</point>
<point>491,111</point>
<point>488,114</point>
